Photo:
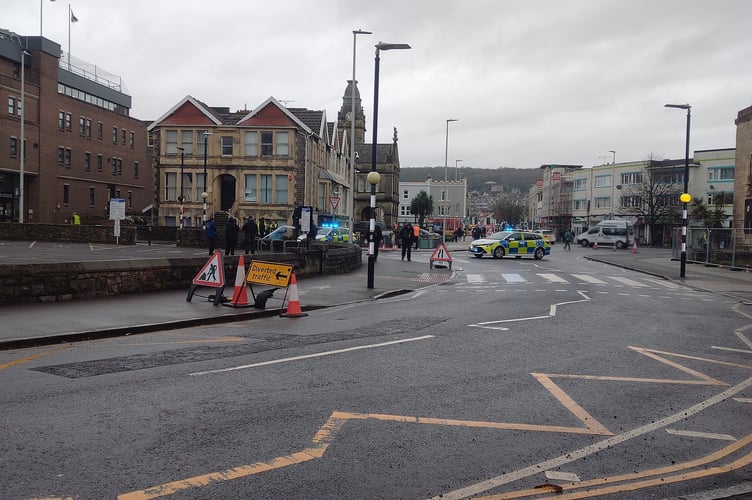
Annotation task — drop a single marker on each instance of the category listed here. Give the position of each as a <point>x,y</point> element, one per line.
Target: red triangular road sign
<point>441,254</point>
<point>212,274</point>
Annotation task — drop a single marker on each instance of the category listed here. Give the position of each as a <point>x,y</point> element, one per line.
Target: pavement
<point>28,325</point>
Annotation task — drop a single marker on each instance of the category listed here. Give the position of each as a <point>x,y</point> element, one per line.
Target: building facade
<point>449,202</point>
<point>78,147</point>
<point>262,163</point>
<point>743,174</point>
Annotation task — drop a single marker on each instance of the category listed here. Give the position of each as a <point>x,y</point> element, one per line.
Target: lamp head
<point>373,178</point>
<point>204,195</point>
<point>678,106</point>
<point>392,46</point>
<point>361,32</point>
<point>685,198</point>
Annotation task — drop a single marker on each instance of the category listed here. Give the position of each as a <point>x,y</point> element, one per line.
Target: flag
<point>73,18</point>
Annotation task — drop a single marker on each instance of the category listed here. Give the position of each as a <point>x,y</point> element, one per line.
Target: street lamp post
<point>613,182</point>
<point>446,193</point>
<point>22,146</point>
<point>205,194</point>
<point>352,137</point>
<point>685,197</point>
<point>373,175</point>
<point>180,196</point>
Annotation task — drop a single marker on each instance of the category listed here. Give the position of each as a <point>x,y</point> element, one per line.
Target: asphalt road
<point>512,375</point>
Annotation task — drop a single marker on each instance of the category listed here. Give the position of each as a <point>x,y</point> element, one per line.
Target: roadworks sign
<point>441,254</point>
<point>269,273</point>
<point>212,274</point>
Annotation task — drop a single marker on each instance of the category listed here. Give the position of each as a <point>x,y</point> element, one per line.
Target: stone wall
<point>67,233</point>
<point>83,280</point>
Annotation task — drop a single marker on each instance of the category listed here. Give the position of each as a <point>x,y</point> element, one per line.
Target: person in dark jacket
<point>378,237</point>
<point>406,240</point>
<point>231,236</point>
<point>211,233</point>
<point>251,232</point>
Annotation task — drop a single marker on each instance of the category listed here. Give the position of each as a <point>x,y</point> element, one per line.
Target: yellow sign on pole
<point>269,273</point>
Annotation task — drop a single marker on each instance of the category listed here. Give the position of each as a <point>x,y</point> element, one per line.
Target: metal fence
<point>725,247</point>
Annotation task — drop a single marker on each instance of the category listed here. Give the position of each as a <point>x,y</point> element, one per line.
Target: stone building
<point>743,174</point>
<point>263,163</point>
<point>82,148</point>
<point>387,165</point>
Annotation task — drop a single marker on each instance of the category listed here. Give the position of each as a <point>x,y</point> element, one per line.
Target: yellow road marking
<point>30,358</point>
<point>666,475</point>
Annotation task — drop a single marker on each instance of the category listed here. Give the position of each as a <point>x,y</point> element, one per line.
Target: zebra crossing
<point>641,282</point>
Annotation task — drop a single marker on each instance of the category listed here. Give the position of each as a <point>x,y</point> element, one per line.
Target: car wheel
<point>498,253</point>
<point>620,244</point>
<point>539,253</point>
<point>585,243</point>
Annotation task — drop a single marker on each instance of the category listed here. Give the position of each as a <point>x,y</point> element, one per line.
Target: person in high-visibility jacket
<point>416,235</point>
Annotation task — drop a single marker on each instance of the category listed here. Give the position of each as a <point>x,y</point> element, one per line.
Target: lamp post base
<point>371,270</point>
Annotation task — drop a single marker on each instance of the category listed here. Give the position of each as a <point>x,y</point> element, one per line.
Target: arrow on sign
<point>279,275</point>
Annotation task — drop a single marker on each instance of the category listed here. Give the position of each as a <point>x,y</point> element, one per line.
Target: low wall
<point>67,233</point>
<point>82,280</point>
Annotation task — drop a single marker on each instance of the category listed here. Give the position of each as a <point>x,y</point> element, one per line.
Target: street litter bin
<point>427,243</point>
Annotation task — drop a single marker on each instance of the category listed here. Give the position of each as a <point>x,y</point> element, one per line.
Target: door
<point>227,192</point>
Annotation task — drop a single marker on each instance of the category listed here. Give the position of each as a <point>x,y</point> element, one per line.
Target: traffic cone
<point>240,293</point>
<point>634,247</point>
<point>595,246</point>
<point>293,305</point>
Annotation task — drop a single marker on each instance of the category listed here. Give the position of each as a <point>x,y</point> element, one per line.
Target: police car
<point>517,243</point>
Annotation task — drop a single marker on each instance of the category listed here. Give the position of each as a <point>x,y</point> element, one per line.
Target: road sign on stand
<point>441,254</point>
<point>211,275</point>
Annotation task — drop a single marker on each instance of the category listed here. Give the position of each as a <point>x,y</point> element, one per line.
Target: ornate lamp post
<point>205,195</point>
<point>373,175</point>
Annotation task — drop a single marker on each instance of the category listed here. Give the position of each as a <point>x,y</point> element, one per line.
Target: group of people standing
<point>251,232</point>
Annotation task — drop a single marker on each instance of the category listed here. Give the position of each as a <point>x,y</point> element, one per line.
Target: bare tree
<point>655,197</point>
<point>510,210</point>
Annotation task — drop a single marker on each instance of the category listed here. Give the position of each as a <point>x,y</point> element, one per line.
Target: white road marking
<point>569,457</point>
<point>706,435</point>
<point>664,283</point>
<point>743,400</point>
<point>555,475</point>
<point>310,356</point>
<point>553,278</point>
<point>476,278</point>
<point>513,278</point>
<point>628,282</point>
<point>589,279</point>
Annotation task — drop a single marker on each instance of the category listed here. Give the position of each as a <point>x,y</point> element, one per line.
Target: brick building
<point>82,147</point>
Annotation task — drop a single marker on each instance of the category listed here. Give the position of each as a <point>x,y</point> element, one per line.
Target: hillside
<point>478,179</point>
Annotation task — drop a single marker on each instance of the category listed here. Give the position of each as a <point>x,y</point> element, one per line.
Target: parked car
<point>336,234</point>
<point>548,235</point>
<point>281,234</point>
<point>517,243</point>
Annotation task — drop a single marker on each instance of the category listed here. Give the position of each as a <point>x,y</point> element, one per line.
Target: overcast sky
<point>531,82</point>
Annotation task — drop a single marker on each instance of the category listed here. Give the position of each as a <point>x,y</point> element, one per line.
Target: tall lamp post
<point>613,182</point>
<point>181,198</point>
<point>685,198</point>
<point>22,146</point>
<point>446,193</point>
<point>205,195</point>
<point>373,176</point>
<point>352,137</point>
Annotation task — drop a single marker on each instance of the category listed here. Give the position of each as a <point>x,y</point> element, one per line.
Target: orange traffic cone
<point>634,247</point>
<point>293,305</point>
<point>595,246</point>
<point>240,293</point>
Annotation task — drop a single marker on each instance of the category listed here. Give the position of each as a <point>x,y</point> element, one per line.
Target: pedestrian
<point>261,228</point>
<point>250,233</point>
<point>76,219</point>
<point>378,237</point>
<point>476,233</point>
<point>231,236</point>
<point>416,235</point>
<point>568,237</point>
<point>211,233</point>
<point>406,240</point>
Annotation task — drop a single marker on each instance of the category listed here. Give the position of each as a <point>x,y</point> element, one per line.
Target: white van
<point>617,233</point>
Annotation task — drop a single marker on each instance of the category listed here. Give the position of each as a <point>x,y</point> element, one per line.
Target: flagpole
<point>70,12</point>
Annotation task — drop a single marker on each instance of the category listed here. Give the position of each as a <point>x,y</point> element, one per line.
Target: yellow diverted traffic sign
<point>269,273</point>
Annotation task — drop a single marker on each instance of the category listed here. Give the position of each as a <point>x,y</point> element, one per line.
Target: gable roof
<point>279,112</point>
<point>192,112</point>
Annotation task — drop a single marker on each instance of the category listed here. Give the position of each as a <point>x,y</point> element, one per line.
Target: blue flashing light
<point>334,225</point>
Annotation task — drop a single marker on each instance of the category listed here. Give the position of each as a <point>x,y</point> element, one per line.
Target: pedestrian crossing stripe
<point>212,274</point>
<point>553,278</point>
<point>589,279</point>
<point>515,278</point>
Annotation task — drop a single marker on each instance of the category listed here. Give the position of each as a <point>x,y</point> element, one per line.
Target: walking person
<point>406,240</point>
<point>378,237</point>
<point>568,237</point>
<point>261,231</point>
<point>250,232</point>
<point>231,236</point>
<point>416,235</point>
<point>211,233</point>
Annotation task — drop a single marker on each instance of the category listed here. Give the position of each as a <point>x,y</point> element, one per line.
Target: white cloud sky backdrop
<point>531,83</point>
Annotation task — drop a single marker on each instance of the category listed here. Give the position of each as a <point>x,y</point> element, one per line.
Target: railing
<point>724,247</point>
<point>90,72</point>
